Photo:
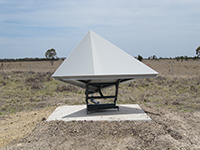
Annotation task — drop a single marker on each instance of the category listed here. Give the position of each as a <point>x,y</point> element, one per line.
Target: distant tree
<point>181,58</point>
<point>186,58</point>
<point>154,57</point>
<point>177,58</point>
<point>198,51</point>
<point>51,54</point>
<point>140,58</point>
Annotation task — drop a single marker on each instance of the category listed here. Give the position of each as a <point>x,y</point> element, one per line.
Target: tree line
<point>154,57</point>
<point>51,55</point>
<point>29,59</point>
<point>181,58</point>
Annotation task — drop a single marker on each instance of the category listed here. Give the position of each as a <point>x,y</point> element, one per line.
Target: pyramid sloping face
<point>94,56</point>
<point>80,61</point>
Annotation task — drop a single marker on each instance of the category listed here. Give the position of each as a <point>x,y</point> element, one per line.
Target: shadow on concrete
<point>123,110</point>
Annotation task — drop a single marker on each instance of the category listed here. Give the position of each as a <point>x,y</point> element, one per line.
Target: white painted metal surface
<point>131,112</point>
<point>96,59</point>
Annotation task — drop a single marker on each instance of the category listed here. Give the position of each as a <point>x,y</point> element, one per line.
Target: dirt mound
<point>167,130</point>
<point>15,126</point>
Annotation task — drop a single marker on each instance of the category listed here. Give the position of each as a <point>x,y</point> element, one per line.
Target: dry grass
<point>172,93</point>
<point>36,66</point>
<point>29,90</point>
<point>164,67</point>
<point>189,68</point>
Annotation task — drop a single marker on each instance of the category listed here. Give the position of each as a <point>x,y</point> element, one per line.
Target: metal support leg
<point>100,92</point>
<point>87,91</point>
<point>116,91</point>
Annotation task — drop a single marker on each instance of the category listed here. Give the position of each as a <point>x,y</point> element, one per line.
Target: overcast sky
<point>166,28</point>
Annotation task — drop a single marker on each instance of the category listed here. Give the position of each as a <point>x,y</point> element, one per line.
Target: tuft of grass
<point>64,87</point>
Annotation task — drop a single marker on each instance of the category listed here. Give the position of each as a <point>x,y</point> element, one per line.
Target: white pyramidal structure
<point>95,63</point>
<point>97,60</point>
<point>95,57</point>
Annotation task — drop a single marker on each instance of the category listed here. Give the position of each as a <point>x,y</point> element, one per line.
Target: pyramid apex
<point>90,31</point>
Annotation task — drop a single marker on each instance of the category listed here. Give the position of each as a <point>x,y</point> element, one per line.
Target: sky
<point>167,28</point>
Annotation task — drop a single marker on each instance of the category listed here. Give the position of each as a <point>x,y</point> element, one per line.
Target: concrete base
<point>131,112</point>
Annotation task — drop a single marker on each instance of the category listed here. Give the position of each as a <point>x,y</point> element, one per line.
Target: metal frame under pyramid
<point>95,63</point>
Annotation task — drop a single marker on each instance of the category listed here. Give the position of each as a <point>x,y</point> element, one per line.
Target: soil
<point>167,130</point>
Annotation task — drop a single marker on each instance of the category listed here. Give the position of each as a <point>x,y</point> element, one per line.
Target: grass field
<point>164,67</point>
<point>28,87</point>
<point>35,66</point>
<point>35,88</point>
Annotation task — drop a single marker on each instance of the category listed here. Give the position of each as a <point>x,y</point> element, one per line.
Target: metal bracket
<point>96,106</point>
